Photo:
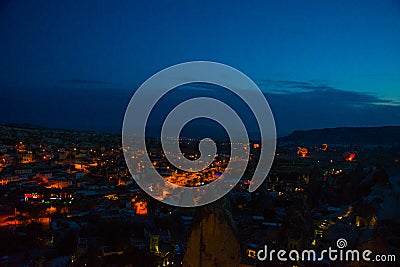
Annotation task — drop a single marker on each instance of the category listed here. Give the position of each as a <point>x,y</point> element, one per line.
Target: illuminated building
<point>27,157</point>
<point>59,183</point>
<point>302,151</point>
<point>251,251</point>
<point>140,208</point>
<point>349,156</point>
<point>20,147</point>
<point>33,197</point>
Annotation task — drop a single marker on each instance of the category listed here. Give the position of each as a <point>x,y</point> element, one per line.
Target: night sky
<point>74,65</point>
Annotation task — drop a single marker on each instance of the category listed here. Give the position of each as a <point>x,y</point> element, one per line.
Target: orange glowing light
<point>349,156</point>
<point>324,147</point>
<point>141,208</point>
<point>256,145</point>
<point>302,151</point>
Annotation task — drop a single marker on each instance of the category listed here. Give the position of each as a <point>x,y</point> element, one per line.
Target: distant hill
<point>386,135</point>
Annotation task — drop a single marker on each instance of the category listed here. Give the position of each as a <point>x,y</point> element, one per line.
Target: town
<point>67,198</point>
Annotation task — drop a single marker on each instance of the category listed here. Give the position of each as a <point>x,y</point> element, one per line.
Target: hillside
<point>387,135</point>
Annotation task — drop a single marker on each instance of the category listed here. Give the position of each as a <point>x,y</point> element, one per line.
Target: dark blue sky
<point>320,63</point>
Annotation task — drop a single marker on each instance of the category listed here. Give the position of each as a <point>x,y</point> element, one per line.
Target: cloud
<point>199,86</point>
<point>315,89</point>
<point>296,105</point>
<point>292,86</point>
<point>301,105</point>
<point>311,104</point>
<point>281,91</point>
<point>282,83</point>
